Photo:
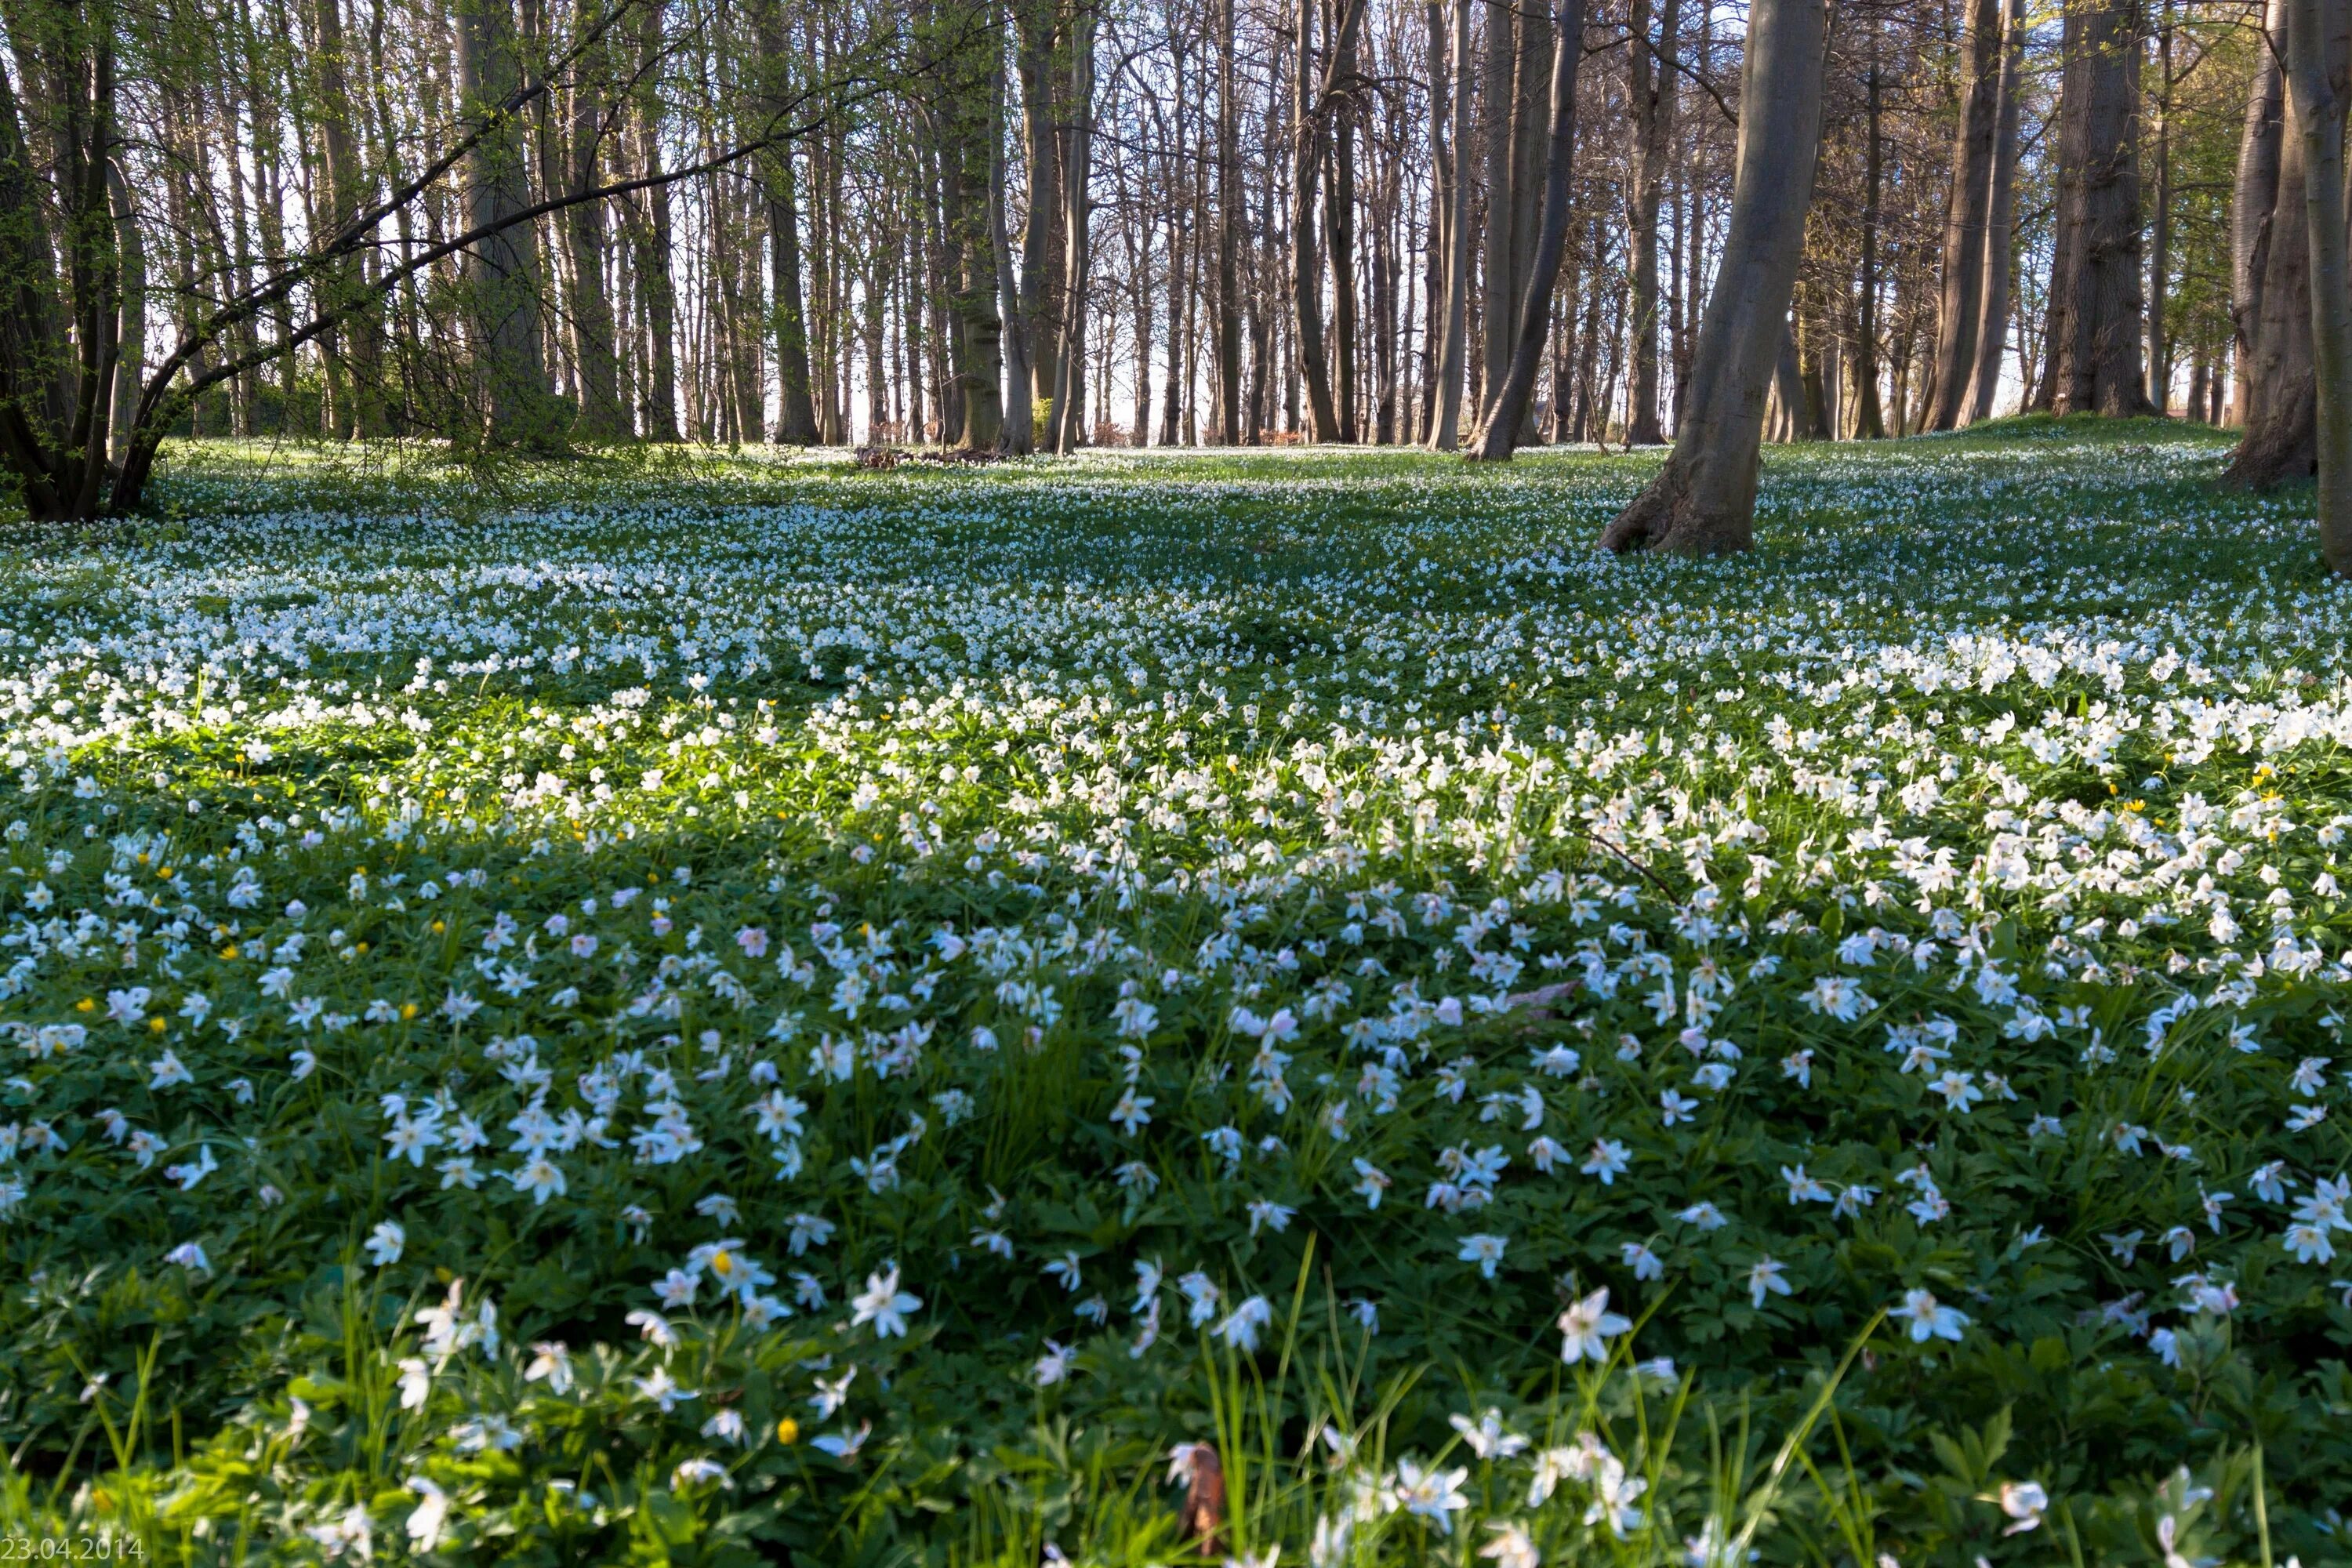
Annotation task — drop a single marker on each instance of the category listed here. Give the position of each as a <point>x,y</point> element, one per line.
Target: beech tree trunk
<point>1078,154</point>
<point>1653,93</point>
<point>2279,433</point>
<point>1315,99</point>
<point>2001,218</point>
<point>2096,357</point>
<point>1229,226</point>
<point>1446,434</point>
<point>1870,419</point>
<point>1968,218</point>
<point>2315,83</point>
<point>2253,202</point>
<point>516,399</point>
<point>1703,502</point>
<point>1512,401</point>
<point>1018,435</point>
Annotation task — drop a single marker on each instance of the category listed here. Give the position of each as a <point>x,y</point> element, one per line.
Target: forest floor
<point>729,1010</point>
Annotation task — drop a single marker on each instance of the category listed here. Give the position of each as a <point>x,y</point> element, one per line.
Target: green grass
<point>1135,864</point>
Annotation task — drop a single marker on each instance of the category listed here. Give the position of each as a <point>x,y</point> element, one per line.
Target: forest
<point>1134,783</point>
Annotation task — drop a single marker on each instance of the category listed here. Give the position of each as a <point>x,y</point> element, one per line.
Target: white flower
<point>1588,1326</point>
<point>1511,1547</point>
<point>2024,1502</point>
<point>1765,1279</point>
<point>1928,1319</point>
<point>1432,1494</point>
<point>884,1305</point>
<point>384,1243</point>
<point>424,1523</point>
<point>1609,1160</point>
<point>1240,1329</point>
<point>1486,1436</point>
<point>1486,1251</point>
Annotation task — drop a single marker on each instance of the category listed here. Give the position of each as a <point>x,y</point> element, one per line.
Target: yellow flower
<point>363,947</point>
<point>165,873</point>
<point>439,928</point>
<point>157,1024</point>
<point>407,1010</point>
<point>229,951</point>
<point>788,1431</point>
<point>142,856</point>
<point>87,1004</point>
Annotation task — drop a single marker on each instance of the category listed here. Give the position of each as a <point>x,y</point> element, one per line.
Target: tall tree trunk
<point>1511,404</point>
<point>656,292</point>
<point>1530,142</point>
<point>1069,367</point>
<point>1445,433</point>
<point>1019,423</point>
<point>1703,502</point>
<point>2280,438</point>
<point>1870,420</point>
<point>1497,107</point>
<point>2098,358</point>
<point>1436,240</point>
<point>1968,216</point>
<point>516,402</point>
<point>1229,226</point>
<point>795,409</point>
<point>1039,269</point>
<point>131,362</point>
<point>360,337</point>
<point>1315,99</point>
<point>595,350</point>
<point>1652,89</point>
<point>2001,216</point>
<point>2159,260</point>
<point>1339,231</point>
<point>2254,200</point>
<point>2315,83</point>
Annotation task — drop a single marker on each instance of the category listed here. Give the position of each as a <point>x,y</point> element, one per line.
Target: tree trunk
<point>1446,434</point>
<point>2253,201</point>
<point>1870,420</point>
<point>1078,153</point>
<point>1229,226</point>
<point>1653,90</point>
<point>1315,100</point>
<point>2279,433</point>
<point>1496,103</point>
<point>1019,432</point>
<point>656,294</point>
<point>2001,218</point>
<point>1340,236</point>
<point>2315,84</point>
<point>593,348</point>
<point>347,192</point>
<point>1703,502</point>
<point>2159,260</point>
<point>2098,356</point>
<point>516,404</point>
<point>1511,403</point>
<point>1968,211</point>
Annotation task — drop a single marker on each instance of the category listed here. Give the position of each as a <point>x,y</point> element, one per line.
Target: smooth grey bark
<point>1309,134</point>
<point>595,350</point>
<point>1653,92</point>
<point>795,408</point>
<point>1703,502</point>
<point>515,399</point>
<point>1078,155</point>
<point>1019,432</point>
<point>2253,199</point>
<point>131,356</point>
<point>2001,218</point>
<point>1446,434</point>
<point>2316,85</point>
<point>1229,226</point>
<point>2278,446</point>
<point>1968,216</point>
<point>1512,400</point>
<point>1496,103</point>
<point>2098,356</point>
